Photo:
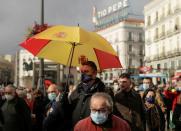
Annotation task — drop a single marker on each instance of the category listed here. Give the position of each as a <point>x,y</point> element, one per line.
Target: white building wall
<point>162,39</point>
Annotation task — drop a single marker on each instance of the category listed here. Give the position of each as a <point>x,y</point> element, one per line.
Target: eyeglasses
<point>8,93</point>
<point>103,110</point>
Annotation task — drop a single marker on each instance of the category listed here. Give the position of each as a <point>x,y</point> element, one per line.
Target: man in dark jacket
<point>80,97</point>
<point>129,105</point>
<point>56,117</point>
<point>16,114</point>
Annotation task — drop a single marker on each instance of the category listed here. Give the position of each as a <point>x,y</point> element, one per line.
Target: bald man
<point>52,92</point>
<point>56,118</point>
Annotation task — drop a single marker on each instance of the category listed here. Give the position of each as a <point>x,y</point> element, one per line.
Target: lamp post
<point>41,85</point>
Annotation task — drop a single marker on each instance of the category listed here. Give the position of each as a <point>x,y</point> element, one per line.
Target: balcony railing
<point>164,16</point>
<point>163,55</point>
<point>174,53</point>
<point>177,9</point>
<point>147,59</point>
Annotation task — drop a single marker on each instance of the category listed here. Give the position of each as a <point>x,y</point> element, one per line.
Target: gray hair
<point>107,97</point>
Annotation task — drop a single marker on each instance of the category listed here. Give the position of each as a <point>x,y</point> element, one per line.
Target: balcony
<point>162,35</point>
<point>162,55</point>
<point>169,33</point>
<point>174,53</point>
<point>156,38</point>
<point>155,57</point>
<point>177,9</point>
<point>147,59</point>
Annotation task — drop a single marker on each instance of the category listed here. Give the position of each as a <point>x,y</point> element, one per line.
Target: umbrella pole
<point>70,64</point>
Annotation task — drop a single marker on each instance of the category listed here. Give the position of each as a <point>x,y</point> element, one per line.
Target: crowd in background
<point>92,106</point>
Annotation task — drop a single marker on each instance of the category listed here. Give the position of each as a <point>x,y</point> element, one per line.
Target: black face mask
<point>85,78</point>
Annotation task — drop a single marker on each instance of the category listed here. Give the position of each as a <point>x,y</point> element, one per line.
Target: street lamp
<point>41,85</point>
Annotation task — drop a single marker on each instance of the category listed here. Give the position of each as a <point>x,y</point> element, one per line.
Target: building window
<point>130,48</point>
<point>130,62</point>
<point>177,21</point>
<point>163,30</point>
<point>172,64</point>
<point>158,67</point>
<point>140,37</point>
<point>178,43</point>
<point>141,50</point>
<point>157,16</point>
<point>163,12</point>
<point>156,33</point>
<point>141,62</point>
<point>130,36</point>
<point>179,64</point>
<point>165,65</point>
<point>111,76</point>
<point>106,76</point>
<point>149,21</point>
<point>169,8</point>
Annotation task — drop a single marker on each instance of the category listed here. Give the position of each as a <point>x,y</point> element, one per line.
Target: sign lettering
<point>115,7</point>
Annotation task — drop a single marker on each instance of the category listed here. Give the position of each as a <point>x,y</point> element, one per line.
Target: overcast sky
<point>17,15</point>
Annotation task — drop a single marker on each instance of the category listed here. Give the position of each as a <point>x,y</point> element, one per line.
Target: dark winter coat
<point>39,111</point>
<point>80,98</point>
<point>16,115</point>
<point>177,117</point>
<point>129,106</point>
<point>153,119</point>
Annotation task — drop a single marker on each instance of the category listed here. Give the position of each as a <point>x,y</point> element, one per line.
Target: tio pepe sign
<point>115,7</point>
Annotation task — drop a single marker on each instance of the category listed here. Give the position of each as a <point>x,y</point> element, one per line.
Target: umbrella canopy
<point>72,46</point>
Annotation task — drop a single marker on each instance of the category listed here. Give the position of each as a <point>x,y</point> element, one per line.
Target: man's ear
<point>95,73</point>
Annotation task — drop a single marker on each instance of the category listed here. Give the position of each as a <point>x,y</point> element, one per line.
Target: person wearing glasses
<point>15,112</point>
<point>101,117</point>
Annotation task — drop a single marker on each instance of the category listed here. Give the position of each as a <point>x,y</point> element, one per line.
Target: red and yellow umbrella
<point>72,46</point>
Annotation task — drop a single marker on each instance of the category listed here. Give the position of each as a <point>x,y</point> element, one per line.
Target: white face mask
<point>116,88</point>
<point>9,97</point>
<point>28,96</point>
<point>145,86</point>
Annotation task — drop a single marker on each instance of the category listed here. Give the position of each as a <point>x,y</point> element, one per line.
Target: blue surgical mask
<point>98,117</point>
<point>145,86</point>
<point>52,96</point>
<point>85,78</point>
<point>150,99</point>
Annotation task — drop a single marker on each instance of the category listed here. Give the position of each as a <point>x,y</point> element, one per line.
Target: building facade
<point>125,31</point>
<point>27,71</point>
<point>163,35</point>
<point>6,70</point>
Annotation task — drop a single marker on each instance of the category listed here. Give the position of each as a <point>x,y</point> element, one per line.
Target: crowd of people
<point>92,106</point>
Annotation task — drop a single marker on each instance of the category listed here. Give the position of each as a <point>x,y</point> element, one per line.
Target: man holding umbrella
<point>80,97</point>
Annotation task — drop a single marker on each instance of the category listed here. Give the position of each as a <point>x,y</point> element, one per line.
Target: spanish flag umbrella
<point>71,46</point>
